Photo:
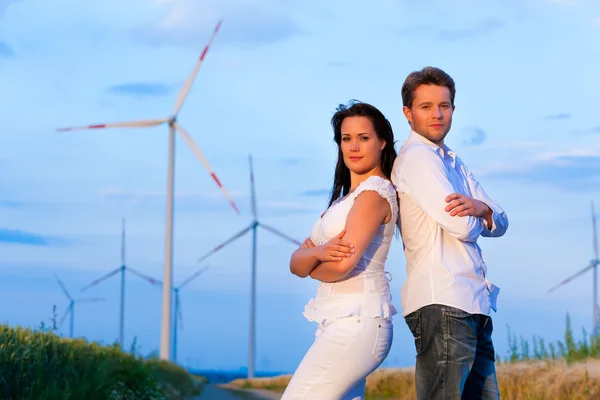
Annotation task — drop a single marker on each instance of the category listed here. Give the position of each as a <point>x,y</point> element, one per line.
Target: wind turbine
<point>122,269</point>
<point>166,320</point>
<point>593,264</point>
<point>253,226</point>
<point>178,314</point>
<point>71,308</point>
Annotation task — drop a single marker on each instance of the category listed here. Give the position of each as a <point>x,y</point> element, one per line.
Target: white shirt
<point>444,263</point>
<point>365,291</point>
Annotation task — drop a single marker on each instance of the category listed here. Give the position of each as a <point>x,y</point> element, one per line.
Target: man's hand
<point>461,205</point>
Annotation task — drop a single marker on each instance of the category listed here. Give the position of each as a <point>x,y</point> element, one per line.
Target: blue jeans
<point>455,354</point>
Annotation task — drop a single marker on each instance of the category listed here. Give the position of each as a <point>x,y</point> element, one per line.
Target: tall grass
<point>536,370</point>
<point>570,350</point>
<point>38,364</point>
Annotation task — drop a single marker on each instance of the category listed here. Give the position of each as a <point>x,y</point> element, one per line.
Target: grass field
<point>38,364</point>
<point>564,370</point>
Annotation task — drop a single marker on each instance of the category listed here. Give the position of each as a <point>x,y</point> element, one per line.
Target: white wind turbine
<point>593,264</point>
<point>253,226</point>
<point>166,320</point>
<point>122,269</point>
<point>71,308</point>
<point>178,314</point>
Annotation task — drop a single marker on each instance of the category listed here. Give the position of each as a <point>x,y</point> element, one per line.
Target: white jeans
<point>344,353</point>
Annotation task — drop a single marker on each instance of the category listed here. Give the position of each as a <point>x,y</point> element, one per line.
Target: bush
<point>41,365</point>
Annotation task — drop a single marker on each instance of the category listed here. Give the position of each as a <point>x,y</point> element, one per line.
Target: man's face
<point>431,112</point>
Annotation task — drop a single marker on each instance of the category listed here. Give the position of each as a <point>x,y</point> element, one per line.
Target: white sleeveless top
<point>365,290</point>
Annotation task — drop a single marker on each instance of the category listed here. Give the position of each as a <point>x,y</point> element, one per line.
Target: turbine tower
<point>254,225</point>
<point>71,308</point>
<point>122,269</point>
<point>178,313</point>
<point>166,319</point>
<point>593,264</point>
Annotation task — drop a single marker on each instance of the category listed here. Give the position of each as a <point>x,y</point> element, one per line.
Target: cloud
<point>484,27</point>
<point>575,170</point>
<point>10,204</point>
<point>191,22</point>
<point>4,5</point>
<point>596,22</point>
<point>338,64</point>
<point>559,116</point>
<point>317,192</point>
<point>6,51</point>
<point>290,161</point>
<point>141,89</point>
<point>183,200</point>
<point>592,131</point>
<point>13,236</point>
<point>474,136</point>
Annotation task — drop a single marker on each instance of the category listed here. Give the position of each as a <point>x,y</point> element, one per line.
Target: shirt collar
<point>417,138</point>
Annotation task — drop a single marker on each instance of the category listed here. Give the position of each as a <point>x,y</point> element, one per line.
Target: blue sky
<point>526,124</point>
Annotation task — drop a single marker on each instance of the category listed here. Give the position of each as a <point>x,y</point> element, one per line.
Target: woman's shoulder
<point>379,184</point>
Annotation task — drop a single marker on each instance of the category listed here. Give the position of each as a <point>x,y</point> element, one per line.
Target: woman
<point>346,251</point>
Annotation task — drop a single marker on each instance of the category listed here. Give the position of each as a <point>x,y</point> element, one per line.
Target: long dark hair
<point>383,129</point>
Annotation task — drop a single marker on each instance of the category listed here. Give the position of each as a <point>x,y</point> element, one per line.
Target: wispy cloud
<point>10,204</point>
<point>484,27</point>
<point>290,161</point>
<point>338,64</point>
<point>6,51</point>
<point>183,200</point>
<point>577,170</point>
<point>474,136</point>
<point>316,192</point>
<point>191,22</point>
<point>13,236</point>
<point>592,131</point>
<point>4,5</point>
<point>141,89</point>
<point>558,116</point>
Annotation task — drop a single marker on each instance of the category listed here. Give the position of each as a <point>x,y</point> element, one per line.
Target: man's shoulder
<point>412,152</point>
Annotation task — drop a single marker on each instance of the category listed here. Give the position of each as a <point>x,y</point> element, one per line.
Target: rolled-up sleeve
<point>499,218</point>
<point>420,173</point>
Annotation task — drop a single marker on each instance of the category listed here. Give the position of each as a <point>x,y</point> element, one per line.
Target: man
<point>446,299</point>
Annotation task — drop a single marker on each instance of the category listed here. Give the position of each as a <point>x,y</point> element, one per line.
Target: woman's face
<point>360,145</point>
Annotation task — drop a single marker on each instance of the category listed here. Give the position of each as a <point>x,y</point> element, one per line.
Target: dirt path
<point>214,392</point>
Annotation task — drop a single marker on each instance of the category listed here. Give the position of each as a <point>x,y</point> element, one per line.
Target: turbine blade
<point>595,232</point>
<point>151,280</point>
<point>281,234</point>
<point>62,286</point>
<point>225,243</point>
<point>179,313</point>
<point>97,281</point>
<point>191,278</point>
<point>196,150</point>
<point>190,80</point>
<point>123,241</point>
<point>569,279</point>
<point>65,315</point>
<point>91,300</point>
<point>252,190</point>
<point>146,123</point>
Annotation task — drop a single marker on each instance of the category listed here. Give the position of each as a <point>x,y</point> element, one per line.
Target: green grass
<point>38,364</point>
<point>570,350</point>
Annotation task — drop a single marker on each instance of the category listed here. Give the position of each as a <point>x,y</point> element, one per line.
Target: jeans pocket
<point>413,320</point>
<point>383,341</point>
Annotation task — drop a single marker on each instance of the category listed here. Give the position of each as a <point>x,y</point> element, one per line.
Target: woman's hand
<point>307,244</point>
<point>334,250</point>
